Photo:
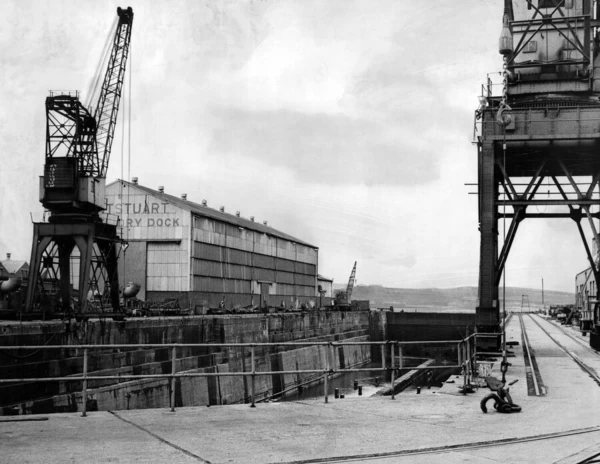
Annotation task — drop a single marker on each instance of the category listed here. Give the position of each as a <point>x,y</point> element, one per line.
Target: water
<point>345,384</point>
<point>370,386</point>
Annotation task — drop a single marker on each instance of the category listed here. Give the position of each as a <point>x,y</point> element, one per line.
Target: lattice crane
<point>351,283</point>
<point>78,141</point>
<point>72,189</point>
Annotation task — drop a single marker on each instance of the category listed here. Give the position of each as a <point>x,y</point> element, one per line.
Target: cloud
<point>324,148</point>
<point>405,261</point>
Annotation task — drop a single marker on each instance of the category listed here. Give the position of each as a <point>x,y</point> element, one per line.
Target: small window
<point>531,47</point>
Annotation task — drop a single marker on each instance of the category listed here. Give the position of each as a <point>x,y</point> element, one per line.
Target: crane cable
<point>504,118</point>
<point>95,81</point>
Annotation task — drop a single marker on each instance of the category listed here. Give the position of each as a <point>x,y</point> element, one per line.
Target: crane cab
<point>552,47</point>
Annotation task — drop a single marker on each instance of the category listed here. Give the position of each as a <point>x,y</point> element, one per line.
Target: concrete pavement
<point>431,427</point>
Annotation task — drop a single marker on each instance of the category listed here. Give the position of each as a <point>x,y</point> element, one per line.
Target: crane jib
<point>79,139</point>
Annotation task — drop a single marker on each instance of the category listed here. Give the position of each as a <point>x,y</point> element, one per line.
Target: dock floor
<point>561,425</point>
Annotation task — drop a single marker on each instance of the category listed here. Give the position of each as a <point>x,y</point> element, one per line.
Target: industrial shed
<point>206,257</point>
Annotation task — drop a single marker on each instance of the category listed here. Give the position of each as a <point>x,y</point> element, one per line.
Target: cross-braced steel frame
<point>50,286</point>
<point>547,159</point>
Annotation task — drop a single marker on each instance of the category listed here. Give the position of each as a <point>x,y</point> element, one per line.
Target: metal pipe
<point>79,378</point>
<point>393,367</point>
<point>215,345</point>
<point>325,386</point>
<point>84,392</point>
<point>200,345</point>
<point>173,356</point>
<point>253,376</point>
<point>383,356</point>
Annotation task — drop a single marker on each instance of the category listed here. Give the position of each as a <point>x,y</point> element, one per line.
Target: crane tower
<point>542,129</point>
<point>78,146</point>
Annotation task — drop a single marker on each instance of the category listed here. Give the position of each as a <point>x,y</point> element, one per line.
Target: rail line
<point>591,372</point>
<point>532,367</point>
<point>448,448</point>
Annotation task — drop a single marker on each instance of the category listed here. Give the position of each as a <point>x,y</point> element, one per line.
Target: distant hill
<point>460,298</point>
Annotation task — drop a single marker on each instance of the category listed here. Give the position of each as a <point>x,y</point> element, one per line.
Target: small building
<point>325,286</point>
<point>205,257</point>
<point>15,268</point>
<point>585,290</point>
<point>3,272</point>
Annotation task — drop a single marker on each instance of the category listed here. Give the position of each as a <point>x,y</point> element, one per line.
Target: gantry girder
<point>548,157</point>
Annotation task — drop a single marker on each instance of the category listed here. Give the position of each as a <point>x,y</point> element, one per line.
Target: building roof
<point>13,265</point>
<point>211,213</point>
<point>326,279</point>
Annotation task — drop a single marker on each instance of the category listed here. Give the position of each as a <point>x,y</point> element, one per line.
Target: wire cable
<point>93,87</point>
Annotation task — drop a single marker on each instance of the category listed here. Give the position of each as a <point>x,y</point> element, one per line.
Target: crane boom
<point>110,95</point>
<point>351,283</point>
<point>78,143</point>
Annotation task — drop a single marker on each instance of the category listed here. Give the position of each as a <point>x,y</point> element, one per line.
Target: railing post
<point>469,360</point>
<point>392,346</point>
<point>464,364</point>
<point>84,392</point>
<point>475,341</point>
<point>400,358</point>
<point>253,376</point>
<point>325,380</point>
<point>173,357</point>
<point>383,357</point>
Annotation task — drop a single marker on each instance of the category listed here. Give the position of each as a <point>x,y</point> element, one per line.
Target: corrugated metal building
<point>202,256</point>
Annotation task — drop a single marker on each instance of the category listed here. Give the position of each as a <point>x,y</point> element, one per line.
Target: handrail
<point>466,349</point>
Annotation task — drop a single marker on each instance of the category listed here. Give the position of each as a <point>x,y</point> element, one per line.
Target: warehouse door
<point>165,267</point>
<point>264,294</point>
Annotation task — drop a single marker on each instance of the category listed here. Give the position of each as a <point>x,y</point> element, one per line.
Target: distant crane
<point>72,189</point>
<point>344,298</point>
<point>351,283</point>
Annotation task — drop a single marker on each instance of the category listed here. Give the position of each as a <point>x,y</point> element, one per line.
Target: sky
<point>347,124</point>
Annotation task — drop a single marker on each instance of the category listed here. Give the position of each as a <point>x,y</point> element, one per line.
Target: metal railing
<point>466,349</point>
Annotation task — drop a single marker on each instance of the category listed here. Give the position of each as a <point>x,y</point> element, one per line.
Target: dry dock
<point>559,422</point>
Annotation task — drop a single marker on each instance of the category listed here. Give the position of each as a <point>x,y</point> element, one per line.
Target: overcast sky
<point>347,124</point>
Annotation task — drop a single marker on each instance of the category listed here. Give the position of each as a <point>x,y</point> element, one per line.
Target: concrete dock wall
<point>29,397</point>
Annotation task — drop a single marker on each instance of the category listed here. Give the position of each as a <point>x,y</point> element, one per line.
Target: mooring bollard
<point>336,393</point>
<point>342,396</point>
<point>360,390</point>
<point>418,390</point>
<point>356,384</point>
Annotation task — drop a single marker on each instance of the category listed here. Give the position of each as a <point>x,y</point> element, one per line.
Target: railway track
<point>590,371</point>
<point>535,385</point>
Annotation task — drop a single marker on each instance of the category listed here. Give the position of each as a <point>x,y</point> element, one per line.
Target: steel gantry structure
<point>543,130</point>
<point>72,189</point>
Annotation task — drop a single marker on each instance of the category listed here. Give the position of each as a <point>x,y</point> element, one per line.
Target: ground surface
<point>561,426</point>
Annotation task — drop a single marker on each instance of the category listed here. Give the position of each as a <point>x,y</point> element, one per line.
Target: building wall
<point>174,253</point>
<point>156,230</point>
<point>240,263</point>
<point>585,289</point>
<point>326,286</point>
